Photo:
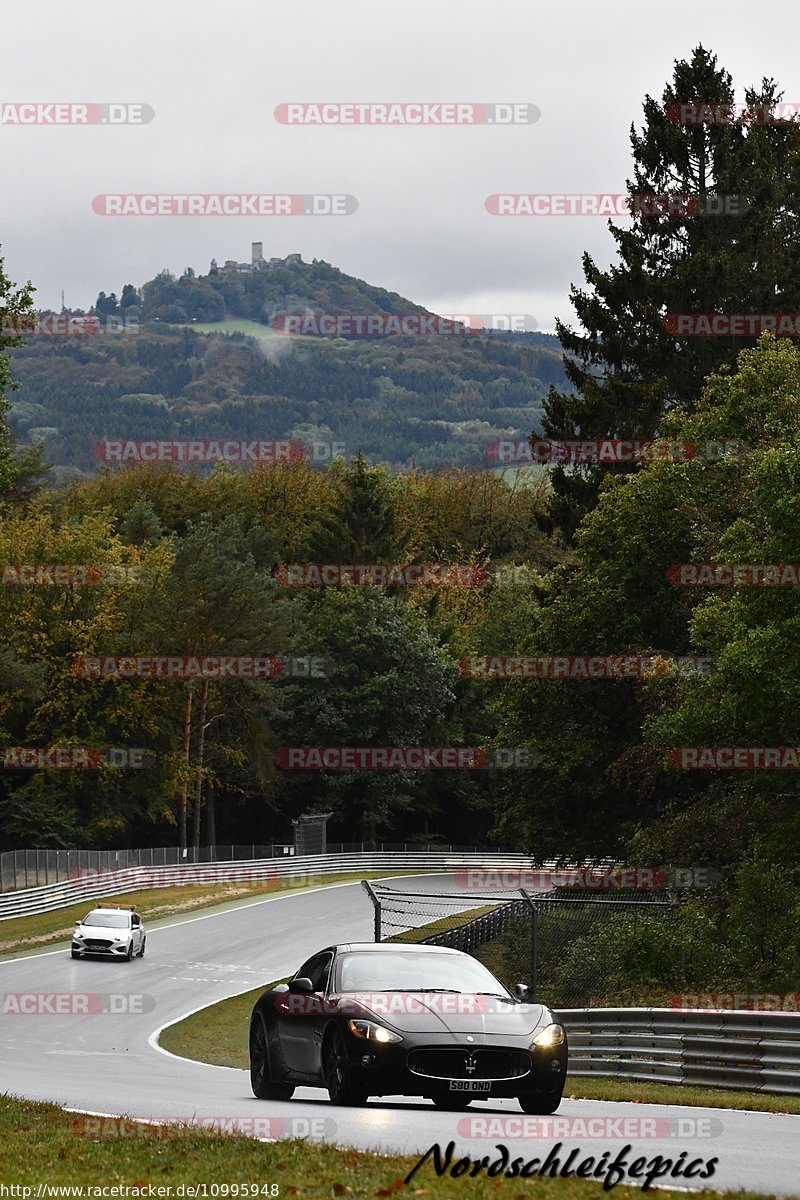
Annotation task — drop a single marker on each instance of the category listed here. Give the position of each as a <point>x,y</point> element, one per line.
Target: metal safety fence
<point>93,883</point>
<point>752,1051</point>
<point>568,949</point>
<point>21,869</point>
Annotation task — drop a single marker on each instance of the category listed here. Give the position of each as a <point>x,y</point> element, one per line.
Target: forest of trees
<point>581,566</point>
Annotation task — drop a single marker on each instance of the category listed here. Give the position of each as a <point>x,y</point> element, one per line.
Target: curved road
<point>109,1063</point>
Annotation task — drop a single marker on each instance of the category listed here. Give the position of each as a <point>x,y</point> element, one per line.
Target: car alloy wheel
<point>260,1081</point>
<point>335,1067</point>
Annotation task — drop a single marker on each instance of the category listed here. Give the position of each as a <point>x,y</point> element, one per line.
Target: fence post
<point>534,945</point>
<point>377,906</point>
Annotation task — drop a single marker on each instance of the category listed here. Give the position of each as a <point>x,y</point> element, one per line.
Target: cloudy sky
<point>214,74</point>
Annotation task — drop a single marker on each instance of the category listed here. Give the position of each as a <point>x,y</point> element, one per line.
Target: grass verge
<point>44,929</point>
<point>43,1144</point>
<point>590,1087</point>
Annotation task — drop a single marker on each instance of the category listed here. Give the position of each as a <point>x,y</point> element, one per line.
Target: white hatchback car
<point>109,931</point>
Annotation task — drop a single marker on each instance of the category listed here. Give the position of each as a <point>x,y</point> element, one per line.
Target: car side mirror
<point>523,993</point>
<point>301,986</point>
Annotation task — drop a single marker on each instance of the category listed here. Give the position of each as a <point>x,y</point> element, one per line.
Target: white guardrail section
<point>753,1051</point>
<point>94,884</point>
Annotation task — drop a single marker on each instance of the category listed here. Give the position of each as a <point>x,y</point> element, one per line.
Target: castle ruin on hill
<point>257,262</point>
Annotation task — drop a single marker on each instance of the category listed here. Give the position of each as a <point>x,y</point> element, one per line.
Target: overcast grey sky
<point>215,72</point>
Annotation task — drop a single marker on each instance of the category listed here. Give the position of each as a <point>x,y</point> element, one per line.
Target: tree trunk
<point>212,819</point>
<point>187,738</point>
<point>201,744</point>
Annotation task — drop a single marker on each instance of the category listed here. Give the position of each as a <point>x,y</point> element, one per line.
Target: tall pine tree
<point>627,366</point>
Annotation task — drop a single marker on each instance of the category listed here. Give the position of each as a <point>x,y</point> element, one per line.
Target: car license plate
<point>470,1085</point>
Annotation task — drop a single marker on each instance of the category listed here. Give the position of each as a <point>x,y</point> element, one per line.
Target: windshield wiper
<point>455,991</point>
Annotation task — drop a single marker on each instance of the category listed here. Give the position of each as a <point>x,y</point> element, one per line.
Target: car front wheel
<point>539,1102</point>
<point>335,1064</point>
<point>453,1103</point>
<point>260,1081</point>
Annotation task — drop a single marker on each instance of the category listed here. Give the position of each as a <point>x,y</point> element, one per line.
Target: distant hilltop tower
<point>257,262</point>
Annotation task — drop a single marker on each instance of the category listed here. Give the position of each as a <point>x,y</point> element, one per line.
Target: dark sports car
<point>386,1019</point>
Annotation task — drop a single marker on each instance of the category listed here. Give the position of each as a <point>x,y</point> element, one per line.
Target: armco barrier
<point>90,886</point>
<point>752,1051</point>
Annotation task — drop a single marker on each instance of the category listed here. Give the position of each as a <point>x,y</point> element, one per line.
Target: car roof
<point>394,948</point>
<point>123,908</point>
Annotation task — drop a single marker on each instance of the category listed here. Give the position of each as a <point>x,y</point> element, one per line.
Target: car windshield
<point>365,971</point>
<point>107,920</point>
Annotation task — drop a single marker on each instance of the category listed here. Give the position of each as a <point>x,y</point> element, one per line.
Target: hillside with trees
<point>430,400</point>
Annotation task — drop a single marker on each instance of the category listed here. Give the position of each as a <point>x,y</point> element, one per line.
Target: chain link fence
<point>572,951</point>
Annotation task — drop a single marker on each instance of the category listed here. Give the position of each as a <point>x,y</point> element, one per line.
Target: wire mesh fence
<point>572,951</point>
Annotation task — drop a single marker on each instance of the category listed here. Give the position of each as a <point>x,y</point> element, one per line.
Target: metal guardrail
<point>92,883</point>
<point>37,868</point>
<point>753,1051</point>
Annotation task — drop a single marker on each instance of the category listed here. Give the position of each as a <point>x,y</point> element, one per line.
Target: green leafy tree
<point>19,469</point>
<point>604,744</point>
<point>392,686</point>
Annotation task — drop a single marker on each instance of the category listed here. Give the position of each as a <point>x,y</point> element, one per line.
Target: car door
<point>302,1018</point>
<point>136,933</point>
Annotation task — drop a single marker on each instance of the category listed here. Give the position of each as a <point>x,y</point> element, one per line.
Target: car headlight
<point>373,1032</point>
<point>78,937</point>
<point>550,1036</point>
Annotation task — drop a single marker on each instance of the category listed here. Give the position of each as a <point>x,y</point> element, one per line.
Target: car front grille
<point>453,1062</point>
<point>97,944</point>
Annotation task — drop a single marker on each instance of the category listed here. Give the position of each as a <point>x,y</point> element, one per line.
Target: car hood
<point>442,1012</point>
<point>100,931</point>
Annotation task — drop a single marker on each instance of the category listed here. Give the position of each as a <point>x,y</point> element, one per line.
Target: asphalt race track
<point>108,1063</point>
